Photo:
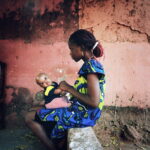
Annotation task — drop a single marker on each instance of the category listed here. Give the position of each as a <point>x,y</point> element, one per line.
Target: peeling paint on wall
<point>30,22</point>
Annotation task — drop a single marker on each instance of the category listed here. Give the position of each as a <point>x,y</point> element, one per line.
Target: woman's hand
<point>62,88</point>
<point>63,85</point>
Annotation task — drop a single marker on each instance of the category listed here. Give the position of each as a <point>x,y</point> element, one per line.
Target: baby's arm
<point>58,91</point>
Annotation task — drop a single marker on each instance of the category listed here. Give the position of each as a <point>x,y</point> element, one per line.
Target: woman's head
<point>86,41</point>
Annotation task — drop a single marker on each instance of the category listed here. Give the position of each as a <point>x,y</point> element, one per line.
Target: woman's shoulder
<point>91,66</point>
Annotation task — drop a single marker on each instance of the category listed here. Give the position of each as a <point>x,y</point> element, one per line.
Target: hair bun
<point>101,50</point>
<point>98,51</point>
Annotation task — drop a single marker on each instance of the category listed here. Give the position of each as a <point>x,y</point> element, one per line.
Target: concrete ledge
<point>83,139</point>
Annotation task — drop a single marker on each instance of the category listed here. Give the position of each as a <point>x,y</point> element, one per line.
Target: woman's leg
<point>38,130</point>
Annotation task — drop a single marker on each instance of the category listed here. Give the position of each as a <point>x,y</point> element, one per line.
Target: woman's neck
<point>88,57</point>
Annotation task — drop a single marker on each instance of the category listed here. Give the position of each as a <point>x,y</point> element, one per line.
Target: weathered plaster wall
<point>33,39</point>
<point>38,20</point>
<point>123,27</point>
<point>25,61</point>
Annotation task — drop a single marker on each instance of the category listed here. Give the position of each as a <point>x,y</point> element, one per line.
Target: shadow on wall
<point>19,102</point>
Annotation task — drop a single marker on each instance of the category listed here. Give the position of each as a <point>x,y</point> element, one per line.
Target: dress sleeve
<point>92,66</point>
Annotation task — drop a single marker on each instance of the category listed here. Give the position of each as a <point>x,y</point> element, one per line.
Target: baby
<point>51,100</point>
<point>49,87</point>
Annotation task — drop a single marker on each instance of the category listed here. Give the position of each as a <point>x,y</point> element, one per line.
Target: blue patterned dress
<point>78,114</point>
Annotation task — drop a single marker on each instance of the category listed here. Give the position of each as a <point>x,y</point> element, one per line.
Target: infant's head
<point>43,80</point>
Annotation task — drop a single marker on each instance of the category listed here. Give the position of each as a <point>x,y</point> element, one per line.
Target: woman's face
<point>75,52</point>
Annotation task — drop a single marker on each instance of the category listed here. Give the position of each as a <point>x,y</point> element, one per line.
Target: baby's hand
<point>62,88</point>
<point>57,91</point>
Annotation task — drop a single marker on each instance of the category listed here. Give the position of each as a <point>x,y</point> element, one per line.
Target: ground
<point>117,129</point>
<point>124,128</point>
<point>19,139</point>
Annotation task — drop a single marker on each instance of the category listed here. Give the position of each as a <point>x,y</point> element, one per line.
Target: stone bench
<point>83,139</point>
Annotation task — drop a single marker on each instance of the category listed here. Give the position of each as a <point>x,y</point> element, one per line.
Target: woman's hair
<point>86,41</point>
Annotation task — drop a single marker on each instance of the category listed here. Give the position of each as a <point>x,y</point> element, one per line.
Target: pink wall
<point>38,43</point>
<point>34,38</point>
<point>25,61</point>
<point>127,67</point>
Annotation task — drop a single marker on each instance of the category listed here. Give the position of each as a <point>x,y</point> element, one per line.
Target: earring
<point>82,54</point>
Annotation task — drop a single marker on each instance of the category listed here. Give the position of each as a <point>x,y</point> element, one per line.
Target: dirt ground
<point>124,128</point>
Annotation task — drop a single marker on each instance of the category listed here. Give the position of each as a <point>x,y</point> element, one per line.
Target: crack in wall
<point>114,5</point>
<point>134,30</point>
<point>113,26</point>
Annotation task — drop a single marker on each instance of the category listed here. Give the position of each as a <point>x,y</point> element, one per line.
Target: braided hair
<point>86,41</point>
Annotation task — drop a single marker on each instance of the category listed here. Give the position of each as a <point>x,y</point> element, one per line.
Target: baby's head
<point>43,80</point>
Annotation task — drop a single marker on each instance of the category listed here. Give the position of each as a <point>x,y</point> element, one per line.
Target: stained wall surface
<point>33,39</point>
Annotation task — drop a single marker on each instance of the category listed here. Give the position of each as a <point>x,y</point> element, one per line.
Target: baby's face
<point>44,82</point>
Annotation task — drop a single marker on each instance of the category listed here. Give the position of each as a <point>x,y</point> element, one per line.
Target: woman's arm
<point>93,91</point>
